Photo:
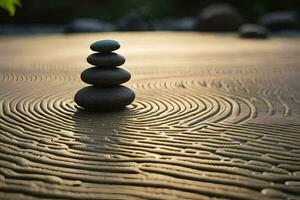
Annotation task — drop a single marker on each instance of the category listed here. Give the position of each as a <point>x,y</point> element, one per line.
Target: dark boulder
<point>88,25</point>
<point>218,17</point>
<point>133,21</point>
<point>181,24</point>
<point>280,20</point>
<point>253,31</point>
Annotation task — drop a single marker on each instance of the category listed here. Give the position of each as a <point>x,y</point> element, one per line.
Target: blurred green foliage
<point>62,11</point>
<point>10,5</point>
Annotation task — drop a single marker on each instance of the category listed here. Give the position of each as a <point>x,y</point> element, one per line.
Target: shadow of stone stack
<point>106,92</point>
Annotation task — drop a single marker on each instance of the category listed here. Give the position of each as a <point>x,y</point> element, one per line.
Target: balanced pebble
<point>105,46</point>
<point>105,59</point>
<point>104,98</point>
<point>105,76</point>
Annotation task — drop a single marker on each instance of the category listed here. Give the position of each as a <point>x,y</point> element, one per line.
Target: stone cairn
<point>106,92</point>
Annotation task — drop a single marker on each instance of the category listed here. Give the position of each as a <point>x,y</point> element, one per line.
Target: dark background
<point>63,11</point>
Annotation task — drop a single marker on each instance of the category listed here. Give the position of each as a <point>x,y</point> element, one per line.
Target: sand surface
<point>215,117</point>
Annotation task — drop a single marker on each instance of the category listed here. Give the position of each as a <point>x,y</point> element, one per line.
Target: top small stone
<point>105,46</point>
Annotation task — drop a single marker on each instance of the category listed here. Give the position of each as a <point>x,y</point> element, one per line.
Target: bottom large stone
<point>104,98</point>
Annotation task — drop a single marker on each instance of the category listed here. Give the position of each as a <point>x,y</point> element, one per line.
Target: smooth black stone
<point>105,46</point>
<point>105,76</point>
<point>104,98</point>
<point>218,17</point>
<point>105,59</point>
<point>253,31</point>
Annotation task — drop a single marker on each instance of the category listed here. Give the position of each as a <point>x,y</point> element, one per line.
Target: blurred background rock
<point>72,16</point>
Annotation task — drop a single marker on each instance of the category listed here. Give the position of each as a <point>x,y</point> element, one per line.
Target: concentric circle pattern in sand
<point>208,122</point>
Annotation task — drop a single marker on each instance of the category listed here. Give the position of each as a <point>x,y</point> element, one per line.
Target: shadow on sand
<point>99,131</point>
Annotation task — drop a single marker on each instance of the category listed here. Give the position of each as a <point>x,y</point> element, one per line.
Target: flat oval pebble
<point>105,76</point>
<point>105,59</point>
<point>105,46</point>
<point>104,98</point>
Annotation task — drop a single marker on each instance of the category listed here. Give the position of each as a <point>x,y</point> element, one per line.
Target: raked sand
<point>214,117</point>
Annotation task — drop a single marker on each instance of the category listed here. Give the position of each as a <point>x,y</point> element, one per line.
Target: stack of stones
<point>106,92</point>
